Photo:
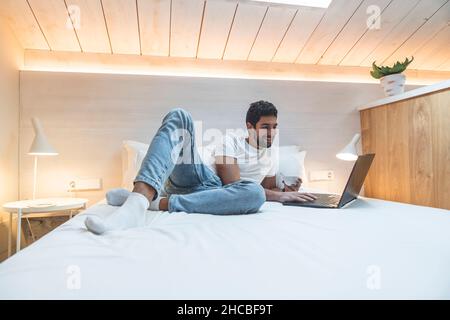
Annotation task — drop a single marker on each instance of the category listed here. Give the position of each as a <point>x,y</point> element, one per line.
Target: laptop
<point>351,191</point>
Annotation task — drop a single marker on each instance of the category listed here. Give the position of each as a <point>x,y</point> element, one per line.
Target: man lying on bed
<point>240,177</point>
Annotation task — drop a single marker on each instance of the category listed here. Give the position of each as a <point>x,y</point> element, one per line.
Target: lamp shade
<point>350,153</point>
<point>40,145</point>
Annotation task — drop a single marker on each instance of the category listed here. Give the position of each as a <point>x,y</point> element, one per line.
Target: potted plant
<point>391,78</point>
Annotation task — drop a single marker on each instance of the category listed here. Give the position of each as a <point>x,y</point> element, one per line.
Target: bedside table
<point>27,207</point>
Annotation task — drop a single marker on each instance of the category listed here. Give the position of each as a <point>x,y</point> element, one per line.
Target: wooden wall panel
<point>441,163</point>
<point>398,148</point>
<point>411,140</point>
<point>11,59</point>
<point>379,123</point>
<point>421,153</point>
<point>367,147</point>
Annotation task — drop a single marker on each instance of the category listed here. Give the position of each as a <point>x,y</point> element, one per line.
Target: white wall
<point>11,59</point>
<point>86,117</point>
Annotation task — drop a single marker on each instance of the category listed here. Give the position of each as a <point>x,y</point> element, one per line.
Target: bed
<point>372,249</point>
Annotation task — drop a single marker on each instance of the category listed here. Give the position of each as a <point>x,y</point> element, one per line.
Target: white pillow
<point>133,153</point>
<point>292,163</point>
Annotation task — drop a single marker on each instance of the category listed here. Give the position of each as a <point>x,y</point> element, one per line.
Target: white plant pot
<point>393,84</point>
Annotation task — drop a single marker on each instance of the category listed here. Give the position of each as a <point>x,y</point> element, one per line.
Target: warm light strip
<point>202,74</point>
<point>341,79</point>
<point>306,3</point>
<point>37,60</point>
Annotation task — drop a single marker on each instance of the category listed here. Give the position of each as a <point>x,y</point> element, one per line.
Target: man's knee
<point>180,119</point>
<point>179,113</point>
<point>254,194</point>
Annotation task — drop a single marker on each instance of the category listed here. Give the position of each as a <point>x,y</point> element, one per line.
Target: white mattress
<point>371,250</point>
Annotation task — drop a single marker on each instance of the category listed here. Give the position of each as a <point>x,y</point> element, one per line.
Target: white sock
<point>117,197</point>
<point>131,214</point>
<point>154,205</point>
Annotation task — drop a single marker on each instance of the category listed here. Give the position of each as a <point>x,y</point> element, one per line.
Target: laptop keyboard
<point>326,199</point>
<point>322,201</point>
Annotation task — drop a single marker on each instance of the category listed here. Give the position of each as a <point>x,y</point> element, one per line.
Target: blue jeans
<point>173,166</point>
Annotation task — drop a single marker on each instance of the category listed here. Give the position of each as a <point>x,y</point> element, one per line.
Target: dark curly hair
<point>259,109</point>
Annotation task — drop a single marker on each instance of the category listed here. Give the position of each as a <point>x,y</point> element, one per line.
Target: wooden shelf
<point>409,95</point>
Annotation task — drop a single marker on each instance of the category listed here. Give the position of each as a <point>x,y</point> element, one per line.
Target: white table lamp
<point>39,147</point>
<point>350,152</point>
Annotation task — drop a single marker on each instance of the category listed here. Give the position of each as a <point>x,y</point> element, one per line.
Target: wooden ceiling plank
<point>56,24</point>
<point>445,66</point>
<point>425,33</point>
<point>91,31</point>
<point>271,33</point>
<point>298,34</point>
<point>434,52</point>
<point>185,30</point>
<point>352,32</point>
<point>390,17</point>
<point>437,59</point>
<point>336,17</point>
<point>21,20</point>
<point>247,22</point>
<point>122,24</point>
<point>405,29</point>
<point>216,27</point>
<point>154,19</point>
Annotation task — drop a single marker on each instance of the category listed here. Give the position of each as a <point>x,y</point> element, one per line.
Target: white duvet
<point>371,250</point>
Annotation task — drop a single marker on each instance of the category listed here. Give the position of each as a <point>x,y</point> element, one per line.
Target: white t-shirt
<point>254,164</point>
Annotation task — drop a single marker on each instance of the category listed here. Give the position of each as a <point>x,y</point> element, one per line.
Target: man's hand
<point>288,194</point>
<point>296,197</point>
<point>292,187</point>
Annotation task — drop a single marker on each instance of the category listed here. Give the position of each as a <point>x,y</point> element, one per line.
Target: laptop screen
<point>356,179</point>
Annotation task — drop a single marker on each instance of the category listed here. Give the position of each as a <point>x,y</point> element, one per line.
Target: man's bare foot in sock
<point>131,214</point>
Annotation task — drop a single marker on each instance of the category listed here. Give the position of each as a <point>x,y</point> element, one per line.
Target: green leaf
<point>375,74</point>
<point>398,67</point>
